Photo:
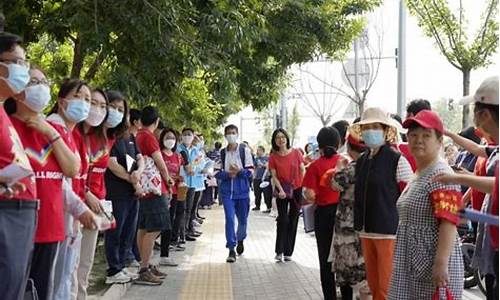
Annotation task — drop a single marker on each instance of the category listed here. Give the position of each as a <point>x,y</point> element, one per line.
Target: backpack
<point>242,148</point>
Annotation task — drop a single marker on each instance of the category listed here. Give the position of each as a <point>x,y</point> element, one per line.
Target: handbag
<point>449,296</point>
<point>182,190</point>
<point>151,177</point>
<point>287,188</point>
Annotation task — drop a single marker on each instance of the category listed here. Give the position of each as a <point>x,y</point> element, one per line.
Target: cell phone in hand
<point>457,168</point>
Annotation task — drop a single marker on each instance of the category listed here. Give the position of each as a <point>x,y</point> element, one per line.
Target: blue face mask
<point>114,118</point>
<point>373,138</point>
<point>77,110</point>
<point>18,76</point>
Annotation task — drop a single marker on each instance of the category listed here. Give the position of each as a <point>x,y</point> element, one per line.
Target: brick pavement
<point>203,273</point>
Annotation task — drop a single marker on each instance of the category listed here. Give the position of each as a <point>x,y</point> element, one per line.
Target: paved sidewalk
<point>204,274</point>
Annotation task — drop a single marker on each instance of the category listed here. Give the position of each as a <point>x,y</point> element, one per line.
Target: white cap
<point>487,93</point>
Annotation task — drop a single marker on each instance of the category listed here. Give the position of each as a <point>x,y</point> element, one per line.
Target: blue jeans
<point>238,208</point>
<point>16,246</point>
<point>119,242</point>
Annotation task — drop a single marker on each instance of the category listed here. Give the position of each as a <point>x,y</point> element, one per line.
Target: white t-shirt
<point>233,157</point>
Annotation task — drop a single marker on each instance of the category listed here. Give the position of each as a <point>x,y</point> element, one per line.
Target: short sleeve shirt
<point>117,188</point>
<point>12,151</point>
<point>49,180</point>
<point>287,167</point>
<point>233,157</point>
<point>98,152</point>
<point>324,195</point>
<point>148,144</point>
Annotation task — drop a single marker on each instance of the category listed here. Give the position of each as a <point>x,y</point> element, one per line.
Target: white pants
<point>87,253</point>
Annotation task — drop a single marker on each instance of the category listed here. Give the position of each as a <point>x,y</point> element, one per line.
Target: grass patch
<point>97,277</point>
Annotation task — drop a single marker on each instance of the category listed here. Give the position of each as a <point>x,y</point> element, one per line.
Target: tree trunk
<point>77,58</point>
<point>361,107</point>
<point>95,65</point>
<point>466,108</point>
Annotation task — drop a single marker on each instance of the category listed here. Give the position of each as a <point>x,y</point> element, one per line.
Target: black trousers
<point>42,268</point>
<point>177,211</point>
<point>324,222</point>
<point>166,235</point>
<point>286,229</point>
<point>188,225</point>
<point>194,211</point>
<point>258,192</point>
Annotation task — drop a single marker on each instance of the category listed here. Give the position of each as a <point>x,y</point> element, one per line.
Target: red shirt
<point>478,196</point>
<point>494,211</point>
<point>324,194</point>
<point>173,163</point>
<point>49,177</point>
<point>405,150</point>
<point>98,153</point>
<point>11,150</point>
<point>79,181</point>
<point>287,167</point>
<point>148,144</point>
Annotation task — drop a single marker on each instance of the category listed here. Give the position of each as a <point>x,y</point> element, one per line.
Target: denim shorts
<point>153,214</point>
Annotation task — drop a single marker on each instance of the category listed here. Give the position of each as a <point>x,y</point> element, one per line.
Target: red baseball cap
<point>426,119</point>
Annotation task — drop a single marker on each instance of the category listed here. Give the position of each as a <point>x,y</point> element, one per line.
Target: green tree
<point>158,51</point>
<point>462,52</point>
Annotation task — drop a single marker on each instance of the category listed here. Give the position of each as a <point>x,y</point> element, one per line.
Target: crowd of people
<point>386,193</point>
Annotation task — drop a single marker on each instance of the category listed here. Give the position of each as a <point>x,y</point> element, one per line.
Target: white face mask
<point>169,143</point>
<point>37,97</point>
<point>232,138</point>
<point>96,116</point>
<point>187,139</point>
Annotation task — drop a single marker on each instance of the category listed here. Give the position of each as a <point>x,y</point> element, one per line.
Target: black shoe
<point>199,220</point>
<point>267,211</point>
<point>182,241</point>
<point>240,248</point>
<point>192,234</point>
<point>200,217</point>
<point>179,247</point>
<point>256,208</point>
<point>197,232</point>
<point>190,238</point>
<point>232,257</point>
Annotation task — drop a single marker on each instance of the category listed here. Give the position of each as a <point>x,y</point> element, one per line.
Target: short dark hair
<point>8,41</point>
<point>149,115</point>
<point>273,138</point>
<point>121,128</point>
<point>135,115</point>
<point>341,127</point>
<point>329,140</point>
<point>164,133</point>
<point>493,109</point>
<point>229,127</point>
<point>415,125</point>
<point>417,105</point>
<point>187,129</point>
<point>307,145</point>
<point>262,148</point>
<point>161,125</point>
<point>470,134</point>
<point>218,145</point>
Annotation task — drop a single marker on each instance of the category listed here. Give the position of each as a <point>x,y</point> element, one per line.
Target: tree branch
<point>94,67</point>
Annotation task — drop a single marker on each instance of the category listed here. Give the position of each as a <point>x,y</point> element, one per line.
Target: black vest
<point>376,191</point>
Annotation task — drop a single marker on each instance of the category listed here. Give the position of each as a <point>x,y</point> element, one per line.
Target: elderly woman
<point>381,173</point>
<point>427,257</point>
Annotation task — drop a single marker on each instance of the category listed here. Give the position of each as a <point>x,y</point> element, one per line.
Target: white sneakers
<point>132,275</point>
<point>119,277</point>
<point>281,258</point>
<point>168,261</point>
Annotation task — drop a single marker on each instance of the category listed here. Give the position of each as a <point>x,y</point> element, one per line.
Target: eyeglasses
<point>19,61</point>
<point>34,81</point>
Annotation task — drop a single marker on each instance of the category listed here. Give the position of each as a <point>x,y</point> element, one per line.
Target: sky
<point>428,74</point>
